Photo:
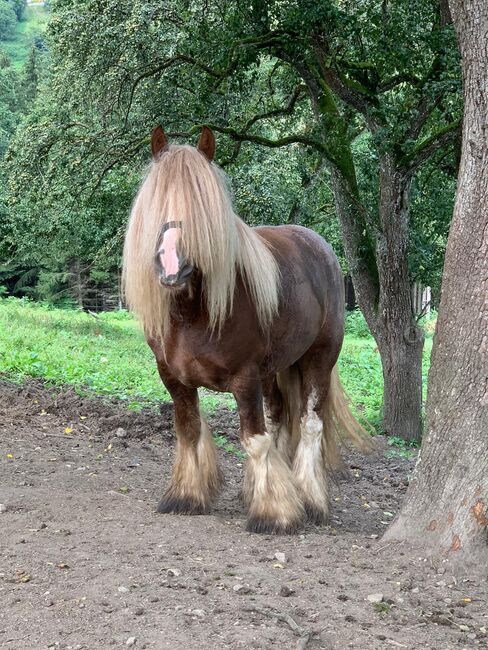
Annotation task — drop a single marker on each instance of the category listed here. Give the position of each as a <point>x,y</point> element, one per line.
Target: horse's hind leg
<point>195,478</point>
<point>269,490</point>
<point>309,466</point>
<point>275,416</point>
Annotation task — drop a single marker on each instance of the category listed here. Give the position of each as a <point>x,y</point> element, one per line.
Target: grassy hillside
<point>33,24</point>
<point>107,355</point>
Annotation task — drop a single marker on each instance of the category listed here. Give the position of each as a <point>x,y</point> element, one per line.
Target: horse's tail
<point>339,423</point>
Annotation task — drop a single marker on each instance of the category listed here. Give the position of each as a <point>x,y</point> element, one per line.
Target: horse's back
<point>304,256</point>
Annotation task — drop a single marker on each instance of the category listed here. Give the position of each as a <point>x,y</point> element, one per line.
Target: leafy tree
<point>10,101</point>
<point>370,90</point>
<point>8,20</point>
<point>19,7</point>
<point>446,505</point>
<point>33,71</point>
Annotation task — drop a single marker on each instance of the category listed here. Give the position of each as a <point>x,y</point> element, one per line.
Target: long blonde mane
<point>183,186</point>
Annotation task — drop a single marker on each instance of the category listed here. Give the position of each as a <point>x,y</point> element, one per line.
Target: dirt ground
<point>85,561</point>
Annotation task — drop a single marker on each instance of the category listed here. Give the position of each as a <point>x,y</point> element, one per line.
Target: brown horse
<point>258,312</point>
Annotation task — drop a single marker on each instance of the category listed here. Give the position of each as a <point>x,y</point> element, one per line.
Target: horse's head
<point>184,236</point>
<point>171,266</point>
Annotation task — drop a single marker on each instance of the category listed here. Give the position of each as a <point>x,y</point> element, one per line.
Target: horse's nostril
<point>186,271</point>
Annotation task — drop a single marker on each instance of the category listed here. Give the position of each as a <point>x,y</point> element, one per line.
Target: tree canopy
<point>343,116</point>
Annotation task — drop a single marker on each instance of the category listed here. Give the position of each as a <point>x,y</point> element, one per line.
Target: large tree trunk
<point>447,503</point>
<point>387,303</point>
<point>400,340</point>
<point>381,280</point>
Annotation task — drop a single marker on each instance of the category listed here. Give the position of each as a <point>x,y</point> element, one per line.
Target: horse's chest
<point>196,365</point>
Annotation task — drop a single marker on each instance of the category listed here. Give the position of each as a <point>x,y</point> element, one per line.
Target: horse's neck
<point>189,304</point>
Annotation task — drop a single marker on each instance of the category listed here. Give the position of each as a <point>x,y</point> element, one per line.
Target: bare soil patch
<point>85,561</point>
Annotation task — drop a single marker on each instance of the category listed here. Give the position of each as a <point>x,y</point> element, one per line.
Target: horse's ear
<point>206,143</point>
<point>159,142</point>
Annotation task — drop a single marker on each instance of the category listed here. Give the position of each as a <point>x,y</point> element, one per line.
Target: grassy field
<point>33,24</point>
<point>108,356</point>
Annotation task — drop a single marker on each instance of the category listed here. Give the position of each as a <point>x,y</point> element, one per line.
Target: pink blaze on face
<point>168,254</point>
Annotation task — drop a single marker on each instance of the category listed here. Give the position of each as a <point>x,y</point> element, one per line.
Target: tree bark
<point>387,302</point>
<point>365,286</point>
<point>400,340</point>
<point>446,505</point>
<point>380,277</point>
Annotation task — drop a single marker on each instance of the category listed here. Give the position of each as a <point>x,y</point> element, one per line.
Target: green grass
<point>33,23</point>
<point>360,368</point>
<point>108,356</point>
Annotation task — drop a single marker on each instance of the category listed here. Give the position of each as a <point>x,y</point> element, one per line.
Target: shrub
<point>356,325</point>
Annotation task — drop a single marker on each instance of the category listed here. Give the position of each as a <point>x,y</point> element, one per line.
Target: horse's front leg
<point>269,489</point>
<point>196,478</point>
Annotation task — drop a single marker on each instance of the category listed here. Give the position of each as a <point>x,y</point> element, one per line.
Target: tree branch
<point>398,79</point>
<point>167,63</point>
<point>285,110</point>
<point>240,136</point>
<point>424,150</point>
<point>351,92</point>
<point>424,109</point>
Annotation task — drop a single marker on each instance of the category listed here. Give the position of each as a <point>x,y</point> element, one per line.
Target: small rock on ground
<point>375,598</point>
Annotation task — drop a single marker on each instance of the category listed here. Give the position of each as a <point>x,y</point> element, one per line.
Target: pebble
<point>123,590</point>
<point>3,507</point>
<point>286,591</point>
<point>375,598</point>
<point>121,433</point>
<point>117,444</point>
<point>174,572</point>
<point>242,589</point>
<point>281,557</point>
<point>131,641</point>
<point>139,611</point>
<point>199,613</point>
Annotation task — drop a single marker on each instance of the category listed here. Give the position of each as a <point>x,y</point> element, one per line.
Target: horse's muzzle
<point>177,279</point>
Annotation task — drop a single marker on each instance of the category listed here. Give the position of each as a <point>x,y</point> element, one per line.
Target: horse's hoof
<point>270,527</point>
<point>315,515</point>
<point>180,506</point>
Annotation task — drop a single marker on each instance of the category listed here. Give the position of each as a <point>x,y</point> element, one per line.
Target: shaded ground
<point>85,562</point>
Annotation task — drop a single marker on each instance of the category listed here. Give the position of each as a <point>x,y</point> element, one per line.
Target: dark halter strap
<point>171,224</point>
